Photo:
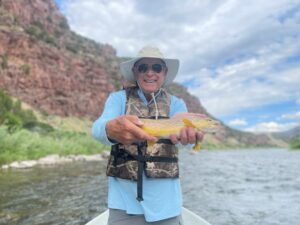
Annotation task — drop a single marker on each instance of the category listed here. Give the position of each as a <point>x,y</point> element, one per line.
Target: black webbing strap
<point>142,159</point>
<point>140,173</point>
<point>164,141</point>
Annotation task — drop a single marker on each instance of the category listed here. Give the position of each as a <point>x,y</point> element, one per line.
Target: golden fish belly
<point>161,128</point>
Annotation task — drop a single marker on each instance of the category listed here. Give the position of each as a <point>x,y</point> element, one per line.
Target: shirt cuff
<point>107,140</point>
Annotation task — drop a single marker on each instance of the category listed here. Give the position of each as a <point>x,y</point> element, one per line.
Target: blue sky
<point>240,58</point>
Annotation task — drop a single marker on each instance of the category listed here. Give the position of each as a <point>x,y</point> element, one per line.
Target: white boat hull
<point>189,218</point>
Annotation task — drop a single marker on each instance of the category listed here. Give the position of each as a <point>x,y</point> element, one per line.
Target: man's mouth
<point>150,81</point>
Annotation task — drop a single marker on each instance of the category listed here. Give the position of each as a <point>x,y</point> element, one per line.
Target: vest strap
<point>141,160</point>
<point>141,165</point>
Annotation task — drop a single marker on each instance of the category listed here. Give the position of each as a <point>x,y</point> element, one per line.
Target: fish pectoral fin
<point>150,143</point>
<point>197,146</point>
<point>188,123</point>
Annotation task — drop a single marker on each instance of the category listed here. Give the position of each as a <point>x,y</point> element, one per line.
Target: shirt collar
<point>142,96</point>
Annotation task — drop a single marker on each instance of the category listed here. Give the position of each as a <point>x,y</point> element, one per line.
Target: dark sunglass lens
<point>143,68</point>
<point>157,68</point>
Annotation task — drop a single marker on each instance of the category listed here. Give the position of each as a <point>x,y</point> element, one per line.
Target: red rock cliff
<point>50,67</point>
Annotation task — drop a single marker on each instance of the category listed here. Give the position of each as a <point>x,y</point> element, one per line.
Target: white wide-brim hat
<point>150,52</point>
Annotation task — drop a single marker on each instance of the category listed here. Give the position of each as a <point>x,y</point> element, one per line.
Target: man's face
<point>150,73</point>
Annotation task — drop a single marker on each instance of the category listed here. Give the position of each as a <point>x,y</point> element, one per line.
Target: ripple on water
<point>243,187</point>
<point>246,187</point>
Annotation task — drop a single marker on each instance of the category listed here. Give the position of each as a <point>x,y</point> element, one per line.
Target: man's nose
<point>150,72</point>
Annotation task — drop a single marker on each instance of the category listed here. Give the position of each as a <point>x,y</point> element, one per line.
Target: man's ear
<point>166,70</point>
<point>134,75</point>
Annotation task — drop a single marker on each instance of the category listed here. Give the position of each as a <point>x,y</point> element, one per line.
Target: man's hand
<point>127,129</point>
<point>188,135</point>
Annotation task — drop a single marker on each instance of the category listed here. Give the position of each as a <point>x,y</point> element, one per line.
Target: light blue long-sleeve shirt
<point>162,197</point>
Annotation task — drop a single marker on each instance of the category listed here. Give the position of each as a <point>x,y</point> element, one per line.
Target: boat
<point>188,217</point>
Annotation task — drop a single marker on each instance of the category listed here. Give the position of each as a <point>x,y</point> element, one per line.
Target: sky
<point>240,58</point>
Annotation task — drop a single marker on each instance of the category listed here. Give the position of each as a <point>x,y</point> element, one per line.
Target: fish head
<point>201,122</point>
<point>207,125</point>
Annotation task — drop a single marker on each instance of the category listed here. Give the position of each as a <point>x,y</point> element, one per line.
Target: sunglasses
<point>143,68</point>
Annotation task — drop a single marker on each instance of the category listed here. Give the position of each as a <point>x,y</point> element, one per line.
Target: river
<point>231,187</point>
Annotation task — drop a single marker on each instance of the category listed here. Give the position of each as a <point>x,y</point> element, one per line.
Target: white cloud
<point>295,115</point>
<point>271,127</point>
<point>235,54</point>
<point>241,86</point>
<point>238,122</point>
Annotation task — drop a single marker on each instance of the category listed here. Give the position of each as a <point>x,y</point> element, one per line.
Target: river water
<point>232,187</point>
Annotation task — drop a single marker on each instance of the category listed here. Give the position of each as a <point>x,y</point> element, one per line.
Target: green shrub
<point>295,143</point>
<point>71,48</point>
<point>4,61</point>
<point>26,115</point>
<point>12,122</point>
<point>49,19</point>
<point>32,31</point>
<point>26,69</point>
<point>38,24</point>
<point>6,104</point>
<point>39,127</point>
<point>64,24</point>
<point>11,113</point>
<point>41,35</point>
<point>50,40</point>
<point>58,33</point>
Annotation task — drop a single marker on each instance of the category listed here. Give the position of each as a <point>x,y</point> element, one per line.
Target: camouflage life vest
<point>157,161</point>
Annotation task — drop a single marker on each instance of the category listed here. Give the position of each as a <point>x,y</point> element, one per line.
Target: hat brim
<point>171,64</point>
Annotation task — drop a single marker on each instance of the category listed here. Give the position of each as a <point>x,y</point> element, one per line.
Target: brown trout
<point>163,128</point>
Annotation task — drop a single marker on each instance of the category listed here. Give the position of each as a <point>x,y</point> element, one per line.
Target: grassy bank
<point>26,145</point>
<point>27,134</point>
<point>295,144</point>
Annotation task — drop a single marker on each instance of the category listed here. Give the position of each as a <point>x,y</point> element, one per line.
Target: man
<point>143,182</point>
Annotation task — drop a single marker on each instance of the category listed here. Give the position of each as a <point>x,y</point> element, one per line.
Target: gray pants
<point>119,217</point>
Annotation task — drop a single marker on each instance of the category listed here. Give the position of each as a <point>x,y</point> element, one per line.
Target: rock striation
<point>48,66</point>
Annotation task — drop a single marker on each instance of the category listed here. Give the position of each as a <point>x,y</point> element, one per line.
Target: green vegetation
<point>12,115</point>
<point>295,143</point>
<point>23,137</point>
<point>64,25</point>
<point>58,33</point>
<point>71,47</point>
<point>26,69</point>
<point>4,61</point>
<point>49,19</point>
<point>25,145</point>
<point>49,39</point>
<point>37,32</point>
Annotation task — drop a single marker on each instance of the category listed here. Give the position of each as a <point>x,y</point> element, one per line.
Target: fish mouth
<point>211,130</point>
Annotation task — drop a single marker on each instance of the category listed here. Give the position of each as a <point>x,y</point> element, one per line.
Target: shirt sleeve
<point>114,107</point>
<point>177,106</point>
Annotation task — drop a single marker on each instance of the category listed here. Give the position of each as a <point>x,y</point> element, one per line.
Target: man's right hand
<point>127,129</point>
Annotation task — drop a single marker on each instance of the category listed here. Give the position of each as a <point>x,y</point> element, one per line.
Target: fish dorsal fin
<point>188,123</point>
<point>188,115</point>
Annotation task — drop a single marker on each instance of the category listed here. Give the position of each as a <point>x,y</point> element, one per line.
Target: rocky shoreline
<point>55,159</point>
